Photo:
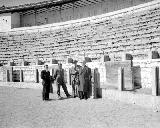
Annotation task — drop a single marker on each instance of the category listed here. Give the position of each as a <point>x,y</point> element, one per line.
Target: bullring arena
<point>119,40</point>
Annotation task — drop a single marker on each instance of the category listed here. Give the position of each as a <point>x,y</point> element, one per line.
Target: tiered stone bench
<point>134,30</point>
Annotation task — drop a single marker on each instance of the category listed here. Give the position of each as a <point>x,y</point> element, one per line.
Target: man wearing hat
<point>74,72</point>
<point>85,80</point>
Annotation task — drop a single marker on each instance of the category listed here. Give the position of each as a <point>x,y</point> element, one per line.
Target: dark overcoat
<point>84,78</point>
<point>45,76</point>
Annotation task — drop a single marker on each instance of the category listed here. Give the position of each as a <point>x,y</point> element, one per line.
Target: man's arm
<point>80,70</point>
<point>90,75</point>
<point>63,74</point>
<point>55,75</point>
<point>43,75</point>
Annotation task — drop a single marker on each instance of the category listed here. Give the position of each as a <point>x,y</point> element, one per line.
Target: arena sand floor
<point>24,108</point>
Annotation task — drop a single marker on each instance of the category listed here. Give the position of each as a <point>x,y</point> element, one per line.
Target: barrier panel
<point>105,75</point>
<point>112,75</point>
<point>155,81</point>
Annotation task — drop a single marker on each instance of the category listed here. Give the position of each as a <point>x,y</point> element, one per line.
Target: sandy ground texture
<point>24,108</point>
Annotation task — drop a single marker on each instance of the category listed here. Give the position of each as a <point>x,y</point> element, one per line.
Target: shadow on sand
<point>64,98</point>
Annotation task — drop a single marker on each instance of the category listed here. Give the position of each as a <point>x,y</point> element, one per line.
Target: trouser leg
<point>46,96</point>
<point>81,95</point>
<point>58,89</point>
<point>89,89</point>
<point>76,90</point>
<point>47,91</point>
<point>73,89</point>
<point>43,93</point>
<point>65,89</point>
<point>86,95</point>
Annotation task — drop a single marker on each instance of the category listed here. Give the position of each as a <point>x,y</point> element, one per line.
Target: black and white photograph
<point>79,63</point>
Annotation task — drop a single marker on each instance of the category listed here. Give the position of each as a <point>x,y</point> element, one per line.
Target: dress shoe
<point>59,97</point>
<point>68,95</point>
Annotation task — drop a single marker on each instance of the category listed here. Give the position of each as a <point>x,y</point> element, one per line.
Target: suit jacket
<point>45,76</point>
<point>85,78</point>
<point>59,76</point>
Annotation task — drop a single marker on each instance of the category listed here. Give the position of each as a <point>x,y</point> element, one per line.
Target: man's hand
<point>52,79</point>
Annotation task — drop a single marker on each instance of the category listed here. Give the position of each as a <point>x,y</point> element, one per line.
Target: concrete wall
<point>28,20</point>
<point>5,22</point>
<point>27,73</point>
<point>79,12</point>
<point>9,21</point>
<point>15,20</point>
<point>144,72</point>
<point>138,75</point>
<point>108,72</point>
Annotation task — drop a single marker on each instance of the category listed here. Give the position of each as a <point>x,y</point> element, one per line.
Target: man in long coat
<point>85,81</point>
<point>59,77</point>
<point>45,76</point>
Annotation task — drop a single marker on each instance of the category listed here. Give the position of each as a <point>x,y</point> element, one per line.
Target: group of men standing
<point>80,81</point>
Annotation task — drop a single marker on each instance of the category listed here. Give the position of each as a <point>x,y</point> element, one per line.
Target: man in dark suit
<point>45,76</point>
<point>85,81</point>
<point>59,77</point>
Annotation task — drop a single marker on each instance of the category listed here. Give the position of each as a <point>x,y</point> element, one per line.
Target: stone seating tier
<point>135,31</point>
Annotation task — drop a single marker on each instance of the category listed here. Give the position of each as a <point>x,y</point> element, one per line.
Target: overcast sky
<point>17,2</point>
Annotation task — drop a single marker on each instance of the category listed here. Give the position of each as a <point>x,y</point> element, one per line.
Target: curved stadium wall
<point>134,30</point>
